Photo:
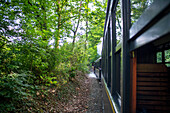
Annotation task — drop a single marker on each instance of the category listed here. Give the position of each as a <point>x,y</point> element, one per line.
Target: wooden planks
<point>151,68</point>
<point>153,88</point>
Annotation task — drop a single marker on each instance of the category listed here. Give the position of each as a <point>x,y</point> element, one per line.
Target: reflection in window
<point>159,57</point>
<point>118,23</point>
<point>167,58</point>
<point>168,65</point>
<point>167,55</point>
<point>138,7</point>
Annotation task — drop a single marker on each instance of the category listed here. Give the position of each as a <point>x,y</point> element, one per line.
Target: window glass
<point>167,55</point>
<point>138,7</point>
<point>118,60</point>
<point>159,57</point>
<point>168,65</point>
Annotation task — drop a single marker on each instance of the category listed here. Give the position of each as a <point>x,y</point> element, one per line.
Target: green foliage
<point>27,26</point>
<point>96,23</point>
<point>159,57</point>
<point>14,90</point>
<point>93,55</point>
<point>167,55</point>
<point>75,59</point>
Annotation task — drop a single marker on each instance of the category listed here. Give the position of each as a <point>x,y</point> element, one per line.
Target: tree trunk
<point>59,25</point>
<point>86,27</point>
<point>75,32</point>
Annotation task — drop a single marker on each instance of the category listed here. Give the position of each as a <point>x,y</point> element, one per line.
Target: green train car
<point>134,67</point>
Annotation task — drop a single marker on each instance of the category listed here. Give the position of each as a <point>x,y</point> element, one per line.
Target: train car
<point>135,73</point>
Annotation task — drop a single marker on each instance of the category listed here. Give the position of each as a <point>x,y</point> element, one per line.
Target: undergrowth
<point>30,76</point>
<point>46,98</point>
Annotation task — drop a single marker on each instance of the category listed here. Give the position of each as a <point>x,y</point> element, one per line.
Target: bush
<point>14,89</point>
<point>75,59</point>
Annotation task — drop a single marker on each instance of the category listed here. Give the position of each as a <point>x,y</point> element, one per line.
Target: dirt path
<point>95,96</point>
<point>87,99</point>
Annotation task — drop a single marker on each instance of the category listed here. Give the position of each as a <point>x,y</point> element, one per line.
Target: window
<point>159,57</point>
<point>167,57</point>
<point>118,59</point>
<point>163,57</point>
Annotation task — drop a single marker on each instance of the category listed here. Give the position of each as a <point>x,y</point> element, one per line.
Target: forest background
<point>34,51</point>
